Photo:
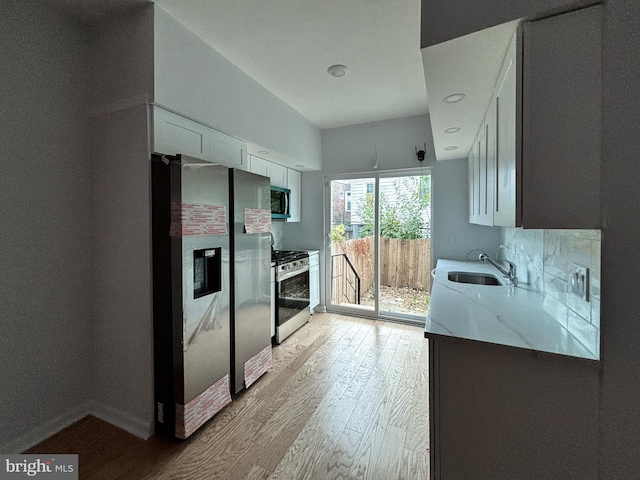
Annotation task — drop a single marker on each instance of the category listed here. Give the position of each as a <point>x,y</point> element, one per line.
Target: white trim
<point>400,172</point>
<point>135,426</point>
<point>38,434</point>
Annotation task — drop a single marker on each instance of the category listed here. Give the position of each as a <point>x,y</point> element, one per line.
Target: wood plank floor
<point>346,398</point>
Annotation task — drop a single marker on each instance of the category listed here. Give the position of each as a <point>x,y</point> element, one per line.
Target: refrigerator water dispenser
<point>207,271</point>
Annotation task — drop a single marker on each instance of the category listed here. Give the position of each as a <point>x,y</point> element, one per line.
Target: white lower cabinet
<point>273,300</point>
<point>314,279</point>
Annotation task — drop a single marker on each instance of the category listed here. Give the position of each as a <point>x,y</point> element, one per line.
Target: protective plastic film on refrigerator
<point>192,293</point>
<point>211,288</point>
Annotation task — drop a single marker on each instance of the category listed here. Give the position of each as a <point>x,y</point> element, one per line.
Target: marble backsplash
<point>544,261</point>
<point>277,230</point>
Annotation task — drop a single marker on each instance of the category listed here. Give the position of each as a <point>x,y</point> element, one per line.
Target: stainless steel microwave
<point>280,202</point>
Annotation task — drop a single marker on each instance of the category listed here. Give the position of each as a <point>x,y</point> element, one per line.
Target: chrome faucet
<point>510,274</point>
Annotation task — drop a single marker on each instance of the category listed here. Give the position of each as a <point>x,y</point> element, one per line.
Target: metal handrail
<point>355,289</point>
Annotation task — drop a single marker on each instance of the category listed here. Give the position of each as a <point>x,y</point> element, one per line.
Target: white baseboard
<point>38,434</point>
<point>134,425</point>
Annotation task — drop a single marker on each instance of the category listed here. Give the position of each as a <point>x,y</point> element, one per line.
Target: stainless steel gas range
<point>292,291</point>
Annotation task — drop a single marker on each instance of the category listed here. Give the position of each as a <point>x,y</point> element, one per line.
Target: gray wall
<point>619,389</point>
<point>122,80</point>
<point>75,334</point>
<point>207,87</point>
<point>620,302</point>
<point>45,309</point>
<point>453,235</point>
<point>353,149</point>
<point>444,20</point>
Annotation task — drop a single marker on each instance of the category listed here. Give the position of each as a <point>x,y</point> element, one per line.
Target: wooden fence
<point>403,263</point>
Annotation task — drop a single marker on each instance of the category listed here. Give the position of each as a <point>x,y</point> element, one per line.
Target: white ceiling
<point>287,46</point>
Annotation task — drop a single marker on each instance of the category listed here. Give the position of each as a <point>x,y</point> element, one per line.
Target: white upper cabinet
<point>174,134</point>
<point>276,173</point>
<point>294,183</point>
<point>490,133</point>
<point>537,162</point>
<point>227,150</point>
<point>473,185</point>
<point>481,148</point>
<point>488,184</point>
<point>505,208</point>
<point>486,167</point>
<point>281,176</point>
<point>561,120</point>
<point>259,166</point>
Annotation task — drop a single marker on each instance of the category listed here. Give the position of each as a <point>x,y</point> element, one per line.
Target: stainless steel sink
<point>475,278</point>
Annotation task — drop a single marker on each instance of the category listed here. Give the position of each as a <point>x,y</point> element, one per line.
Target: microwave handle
<point>286,203</point>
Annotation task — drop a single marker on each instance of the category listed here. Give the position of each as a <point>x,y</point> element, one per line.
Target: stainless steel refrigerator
<point>203,326</point>
<point>250,207</point>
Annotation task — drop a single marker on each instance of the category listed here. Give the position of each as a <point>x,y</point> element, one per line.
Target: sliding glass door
<point>379,252</point>
<point>352,247</point>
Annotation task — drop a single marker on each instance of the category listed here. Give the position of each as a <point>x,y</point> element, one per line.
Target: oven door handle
<point>285,276</point>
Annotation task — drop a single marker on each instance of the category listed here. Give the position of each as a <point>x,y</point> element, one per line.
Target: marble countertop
<point>504,315</point>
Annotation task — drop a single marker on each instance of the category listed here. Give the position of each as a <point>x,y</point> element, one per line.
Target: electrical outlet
<point>579,281</point>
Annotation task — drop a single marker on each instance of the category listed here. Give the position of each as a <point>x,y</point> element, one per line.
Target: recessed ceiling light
<point>453,98</point>
<point>263,152</point>
<point>337,71</point>
<point>452,130</point>
<point>300,166</point>
<point>452,147</point>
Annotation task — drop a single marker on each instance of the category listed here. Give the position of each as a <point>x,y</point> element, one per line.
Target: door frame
<point>376,175</point>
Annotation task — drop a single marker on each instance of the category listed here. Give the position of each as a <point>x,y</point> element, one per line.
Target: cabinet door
<point>473,184</point>
<point>482,173</point>
<point>259,166</point>
<point>278,175</point>
<point>314,286</point>
<point>504,214</point>
<point>487,166</point>
<point>227,150</point>
<point>294,183</point>
<point>491,130</point>
<point>273,301</point>
<point>561,107</point>
<point>173,134</point>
